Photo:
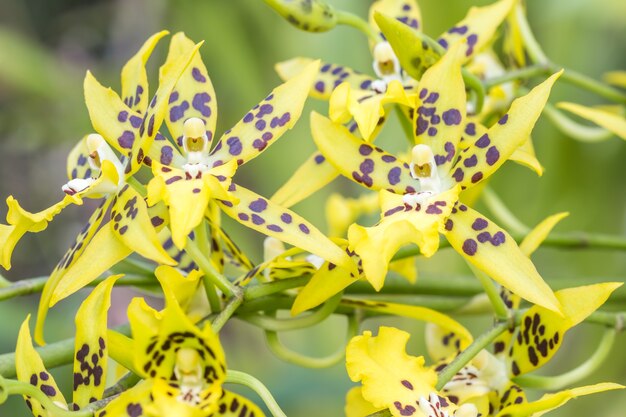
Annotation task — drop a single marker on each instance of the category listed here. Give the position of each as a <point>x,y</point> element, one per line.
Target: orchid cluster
<point>164,181</point>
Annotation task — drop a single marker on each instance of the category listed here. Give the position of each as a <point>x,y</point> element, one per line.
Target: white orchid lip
<point>188,372</point>
<point>195,144</point>
<point>386,66</point>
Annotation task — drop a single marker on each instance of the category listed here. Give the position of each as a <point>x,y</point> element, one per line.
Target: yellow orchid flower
<point>183,367</point>
<point>91,351</point>
<point>420,199</point>
<point>206,174</point>
<point>399,59</point>
<point>129,126</point>
<point>613,122</point>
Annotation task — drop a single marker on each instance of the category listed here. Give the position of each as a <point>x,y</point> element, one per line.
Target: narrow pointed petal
<point>541,332</point>
<point>481,159</point>
<point>30,369</point>
<point>611,122</point>
<point>73,254</point>
<point>525,155</point>
<point>390,378</point>
<point>444,343</point>
<point>478,27</point>
<point>257,213</point>
<point>131,224</point>
<point>492,250</point>
<point>311,176</point>
<point>234,254</point>
<point>91,345</point>
<point>102,252</point>
<point>440,109</point>
<point>404,11</point>
<point>193,95</point>
<point>327,79</point>
<point>361,162</point>
<point>535,238</point>
<point>183,287</point>
<point>550,402</point>
<point>267,121</point>
<point>415,56</point>
<point>135,78</point>
<point>21,222</point>
<point>616,78</point>
<point>400,224</point>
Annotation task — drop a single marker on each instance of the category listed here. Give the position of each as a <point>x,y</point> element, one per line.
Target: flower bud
<point>308,15</point>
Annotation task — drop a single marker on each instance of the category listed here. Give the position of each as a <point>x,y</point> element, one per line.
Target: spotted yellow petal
<point>235,405</point>
<point>78,162</point>
<point>134,76</point>
<point>404,11</point>
<point>267,121</point>
<point>183,287</point>
<point>401,224</point>
<point>541,331</point>
<point>478,27</point>
<point>482,158</point>
<point>193,95</point>
<point>359,161</point>
<point>72,255</point>
<point>327,79</point>
<point>438,120</point>
<point>539,233</point>
<point>130,403</point>
<point>91,344</point>
<point>390,378</point>
<point>525,155</point>
<point>513,42</point>
<point>444,343</point>
<point>30,369</point>
<point>611,122</point>
<point>493,251</point>
<point>550,402</point>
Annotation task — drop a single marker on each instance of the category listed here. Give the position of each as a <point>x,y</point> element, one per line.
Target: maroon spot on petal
<point>394,175</point>
<point>484,237</point>
<point>423,93</point>
<point>274,228</point>
<point>167,153</point>
<point>243,216</point>
<point>470,129</point>
<point>267,136</point>
<point>407,384</point>
<point>461,30</point>
<point>470,246</point>
<point>256,219</point>
<point>458,174</point>
<point>197,75</point>
<point>492,155</point>
<point>265,109</point>
<point>199,103</point>
<point>258,205</point>
<point>432,98</point>
<point>234,145</point>
<point>421,125</point>
<point>449,224</point>
<point>151,126</point>
<point>248,118</point>
<point>196,190</point>
<point>483,141</point>
<point>156,221</point>
<point>393,210</point>
<point>367,166</point>
<point>173,97</point>
<point>123,229</point>
<point>498,238</point>
<point>48,390</point>
<point>173,179</point>
<point>178,112</point>
<point>433,209</point>
<point>471,161</point>
<point>319,159</point>
<point>304,228</point>
<point>477,177</point>
<point>135,121</point>
<point>365,149</point>
<point>319,86</point>
<point>122,116</point>
<point>286,218</point>
<point>451,117</point>
<point>432,131</point>
<point>260,124</point>
<point>388,158</point>
<point>503,119</point>
<point>126,140</point>
<point>479,224</point>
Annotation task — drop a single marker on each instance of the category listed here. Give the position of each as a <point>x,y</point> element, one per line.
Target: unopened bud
<point>307,15</point>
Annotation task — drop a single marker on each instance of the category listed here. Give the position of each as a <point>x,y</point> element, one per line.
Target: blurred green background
<point>46,46</point>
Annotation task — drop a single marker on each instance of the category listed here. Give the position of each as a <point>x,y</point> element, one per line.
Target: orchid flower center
<point>431,407</point>
<point>196,145</point>
<point>188,371</point>
<point>98,150</point>
<point>424,169</point>
<point>386,66</point>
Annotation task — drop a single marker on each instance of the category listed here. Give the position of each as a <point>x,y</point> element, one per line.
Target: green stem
<point>34,285</point>
<point>499,308</point>
<point>535,52</point>
<point>12,387</point>
<point>209,270</point>
<point>288,355</point>
<point>582,371</point>
<point>476,86</point>
<point>226,313</point>
<point>468,354</point>
<point>4,282</point>
<point>53,355</point>
<point>574,129</point>
<point>518,74</point>
<point>349,19</point>
<point>587,83</point>
<point>502,212</point>
<point>241,378</point>
<point>127,381</point>
<point>295,323</point>
<point>257,291</point>
<point>137,185</point>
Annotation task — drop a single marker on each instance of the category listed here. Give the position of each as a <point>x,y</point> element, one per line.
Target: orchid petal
<point>479,160</point>
<point>401,224</point>
<point>359,161</point>
<point>235,405</point>
<point>357,406</point>
<point>30,369</point>
<point>390,378</point>
<point>77,161</point>
<point>134,76</point>
<point>193,95</point>
<point>131,403</point>
<point>91,344</point>
<point>257,213</point>
<point>267,121</point>
<point>611,122</point>
<point>444,343</point>
<point>327,79</point>
<point>552,401</point>
<point>404,11</point>
<point>541,333</point>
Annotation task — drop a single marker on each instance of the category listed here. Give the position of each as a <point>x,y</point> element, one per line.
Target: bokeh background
<point>46,47</point>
